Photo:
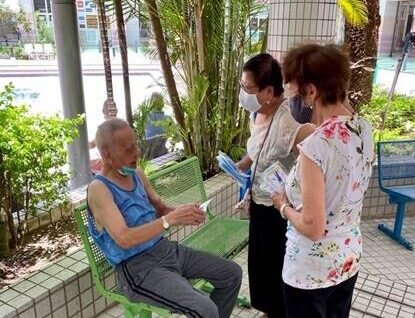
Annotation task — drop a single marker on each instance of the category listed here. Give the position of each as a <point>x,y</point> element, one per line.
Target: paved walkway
<point>37,83</point>
<point>385,73</point>
<point>386,283</point>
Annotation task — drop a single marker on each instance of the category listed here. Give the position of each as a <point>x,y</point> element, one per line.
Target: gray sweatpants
<point>160,277</point>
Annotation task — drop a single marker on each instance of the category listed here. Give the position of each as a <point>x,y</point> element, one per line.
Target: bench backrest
<point>180,183</point>
<point>396,160</point>
<point>97,261</point>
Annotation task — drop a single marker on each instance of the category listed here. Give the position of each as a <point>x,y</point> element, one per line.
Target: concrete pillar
<point>132,27</point>
<point>389,20</point>
<point>292,22</point>
<point>70,75</point>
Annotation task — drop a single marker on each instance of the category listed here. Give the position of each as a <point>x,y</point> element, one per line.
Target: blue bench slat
<point>408,192</point>
<point>396,161</point>
<point>401,170</point>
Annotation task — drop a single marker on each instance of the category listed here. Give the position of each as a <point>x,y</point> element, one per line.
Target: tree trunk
<point>4,237</point>
<point>224,74</point>
<point>7,206</point>
<point>362,43</point>
<point>124,59</point>
<point>102,20</point>
<point>200,43</point>
<point>167,71</point>
<point>8,198</point>
<point>265,39</point>
<point>199,35</point>
<point>22,228</point>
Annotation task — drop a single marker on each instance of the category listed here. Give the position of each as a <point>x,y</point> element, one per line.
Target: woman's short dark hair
<point>327,67</point>
<point>266,71</point>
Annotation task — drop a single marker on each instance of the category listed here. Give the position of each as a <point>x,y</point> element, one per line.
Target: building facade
<point>398,19</point>
<point>87,22</point>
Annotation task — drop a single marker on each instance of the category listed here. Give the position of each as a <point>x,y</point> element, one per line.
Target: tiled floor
<point>386,283</point>
<point>384,257</point>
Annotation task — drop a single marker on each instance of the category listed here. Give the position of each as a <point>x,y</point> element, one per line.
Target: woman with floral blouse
<point>324,191</point>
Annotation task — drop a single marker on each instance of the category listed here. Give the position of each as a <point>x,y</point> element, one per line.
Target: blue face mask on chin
<point>126,171</point>
<point>299,111</point>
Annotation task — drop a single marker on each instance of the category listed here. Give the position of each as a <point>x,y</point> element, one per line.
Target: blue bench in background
<point>396,160</point>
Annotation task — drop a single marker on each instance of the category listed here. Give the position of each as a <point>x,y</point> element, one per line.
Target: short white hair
<point>105,132</point>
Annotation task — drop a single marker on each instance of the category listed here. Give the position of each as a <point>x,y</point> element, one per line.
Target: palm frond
<point>132,9</point>
<point>150,52</point>
<point>355,11</point>
<point>195,96</point>
<point>109,7</point>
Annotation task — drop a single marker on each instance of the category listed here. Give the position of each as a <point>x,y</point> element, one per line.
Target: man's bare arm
<point>108,216</point>
<point>161,208</point>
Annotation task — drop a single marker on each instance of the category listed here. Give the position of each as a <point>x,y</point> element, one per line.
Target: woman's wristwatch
<point>282,209</point>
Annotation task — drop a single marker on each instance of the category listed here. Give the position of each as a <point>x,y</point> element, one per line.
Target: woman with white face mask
<point>274,136</point>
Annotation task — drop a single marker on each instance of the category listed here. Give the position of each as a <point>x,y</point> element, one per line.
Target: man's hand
<point>189,214</point>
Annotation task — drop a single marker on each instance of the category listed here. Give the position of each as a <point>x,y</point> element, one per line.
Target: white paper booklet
<point>273,178</point>
<point>204,205</point>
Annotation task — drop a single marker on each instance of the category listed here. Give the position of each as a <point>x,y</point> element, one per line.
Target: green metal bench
<point>178,184</point>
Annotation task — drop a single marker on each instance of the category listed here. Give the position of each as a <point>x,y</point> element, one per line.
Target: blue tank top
<point>136,209</point>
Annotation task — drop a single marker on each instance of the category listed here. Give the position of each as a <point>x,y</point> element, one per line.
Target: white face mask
<point>249,101</point>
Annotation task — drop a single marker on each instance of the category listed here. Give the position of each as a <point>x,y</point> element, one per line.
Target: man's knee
<point>238,271</point>
<point>207,308</point>
<point>235,272</point>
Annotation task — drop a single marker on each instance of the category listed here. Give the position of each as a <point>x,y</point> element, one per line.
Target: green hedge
<point>32,159</point>
<point>400,116</point>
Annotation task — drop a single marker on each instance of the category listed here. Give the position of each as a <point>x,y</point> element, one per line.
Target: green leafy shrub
<point>147,166</point>
<point>32,161</point>
<point>44,30</point>
<point>4,52</point>
<point>19,53</point>
<point>141,118</point>
<point>4,49</point>
<point>400,116</point>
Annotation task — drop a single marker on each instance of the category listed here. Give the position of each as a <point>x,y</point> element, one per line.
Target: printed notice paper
<point>273,179</point>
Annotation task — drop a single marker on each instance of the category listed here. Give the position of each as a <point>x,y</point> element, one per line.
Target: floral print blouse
<point>342,148</point>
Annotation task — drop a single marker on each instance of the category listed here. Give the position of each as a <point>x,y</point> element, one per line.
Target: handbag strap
<point>260,150</point>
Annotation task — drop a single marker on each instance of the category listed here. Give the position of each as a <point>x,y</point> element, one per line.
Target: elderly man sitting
<point>129,223</point>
